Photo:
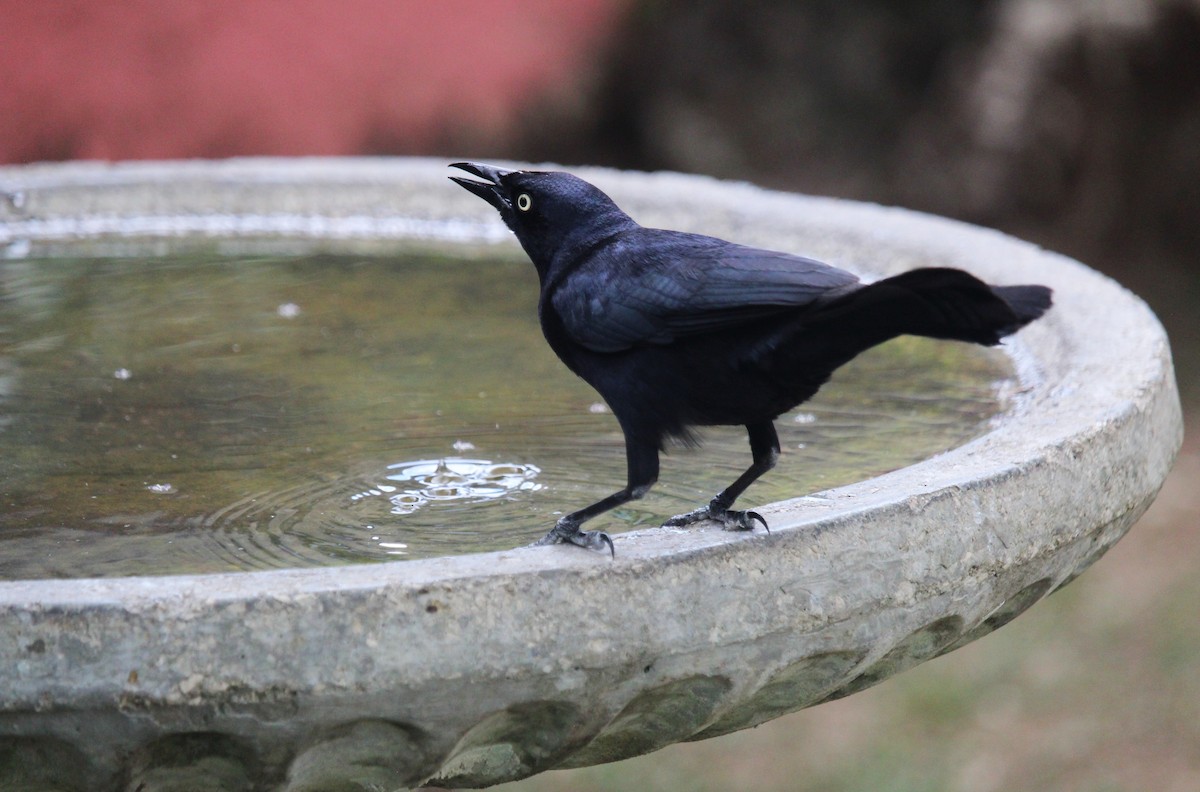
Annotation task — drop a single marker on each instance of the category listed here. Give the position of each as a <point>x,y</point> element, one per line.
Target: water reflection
<point>185,415</point>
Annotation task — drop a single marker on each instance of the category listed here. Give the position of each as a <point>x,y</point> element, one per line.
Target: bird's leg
<point>642,463</point>
<point>764,448</point>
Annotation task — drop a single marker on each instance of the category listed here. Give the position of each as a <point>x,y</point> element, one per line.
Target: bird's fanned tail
<point>946,303</point>
<point>1027,302</point>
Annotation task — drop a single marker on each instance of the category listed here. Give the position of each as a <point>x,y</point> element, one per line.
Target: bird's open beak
<point>491,190</point>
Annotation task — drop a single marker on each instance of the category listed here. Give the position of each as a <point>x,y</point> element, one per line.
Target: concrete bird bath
<point>472,670</point>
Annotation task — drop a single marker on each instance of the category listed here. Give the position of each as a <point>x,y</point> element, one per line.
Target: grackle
<point>679,330</point>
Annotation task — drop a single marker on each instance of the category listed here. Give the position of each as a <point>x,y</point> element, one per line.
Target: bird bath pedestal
<point>474,670</point>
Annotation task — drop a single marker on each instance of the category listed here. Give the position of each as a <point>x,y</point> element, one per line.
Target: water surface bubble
<point>461,479</point>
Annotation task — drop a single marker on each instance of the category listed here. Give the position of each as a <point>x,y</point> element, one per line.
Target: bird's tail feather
<point>948,303</point>
<point>1027,302</point>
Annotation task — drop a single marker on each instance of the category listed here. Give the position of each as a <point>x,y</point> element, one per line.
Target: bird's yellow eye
<point>524,202</point>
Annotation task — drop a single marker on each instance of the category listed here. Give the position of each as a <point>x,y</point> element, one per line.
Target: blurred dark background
<point>1072,123</point>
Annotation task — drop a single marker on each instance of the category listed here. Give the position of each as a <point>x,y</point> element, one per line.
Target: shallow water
<point>187,415</point>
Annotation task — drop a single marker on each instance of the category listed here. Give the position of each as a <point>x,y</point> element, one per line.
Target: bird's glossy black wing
<point>657,286</point>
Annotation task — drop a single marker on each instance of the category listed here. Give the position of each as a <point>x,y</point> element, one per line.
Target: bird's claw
<point>570,533</point>
<point>731,520</point>
<point>743,521</point>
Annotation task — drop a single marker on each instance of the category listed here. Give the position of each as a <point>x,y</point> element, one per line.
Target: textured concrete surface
<point>474,670</point>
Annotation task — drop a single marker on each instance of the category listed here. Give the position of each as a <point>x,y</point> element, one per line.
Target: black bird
<point>679,330</point>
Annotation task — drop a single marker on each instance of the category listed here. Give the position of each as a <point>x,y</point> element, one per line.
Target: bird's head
<point>552,213</point>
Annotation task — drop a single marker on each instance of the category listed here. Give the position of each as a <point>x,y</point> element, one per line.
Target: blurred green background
<point>1072,123</point>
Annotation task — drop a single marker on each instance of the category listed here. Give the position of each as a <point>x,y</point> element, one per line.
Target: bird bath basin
<point>474,669</point>
<point>305,411</point>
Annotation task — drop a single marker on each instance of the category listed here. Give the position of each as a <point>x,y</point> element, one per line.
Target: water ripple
<point>421,508</point>
<point>430,480</point>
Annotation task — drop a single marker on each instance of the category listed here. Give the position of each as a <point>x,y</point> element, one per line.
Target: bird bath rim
<point>478,669</point>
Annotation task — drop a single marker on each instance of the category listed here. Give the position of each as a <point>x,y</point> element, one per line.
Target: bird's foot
<point>731,519</point>
<point>568,531</point>
<point>682,520</point>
